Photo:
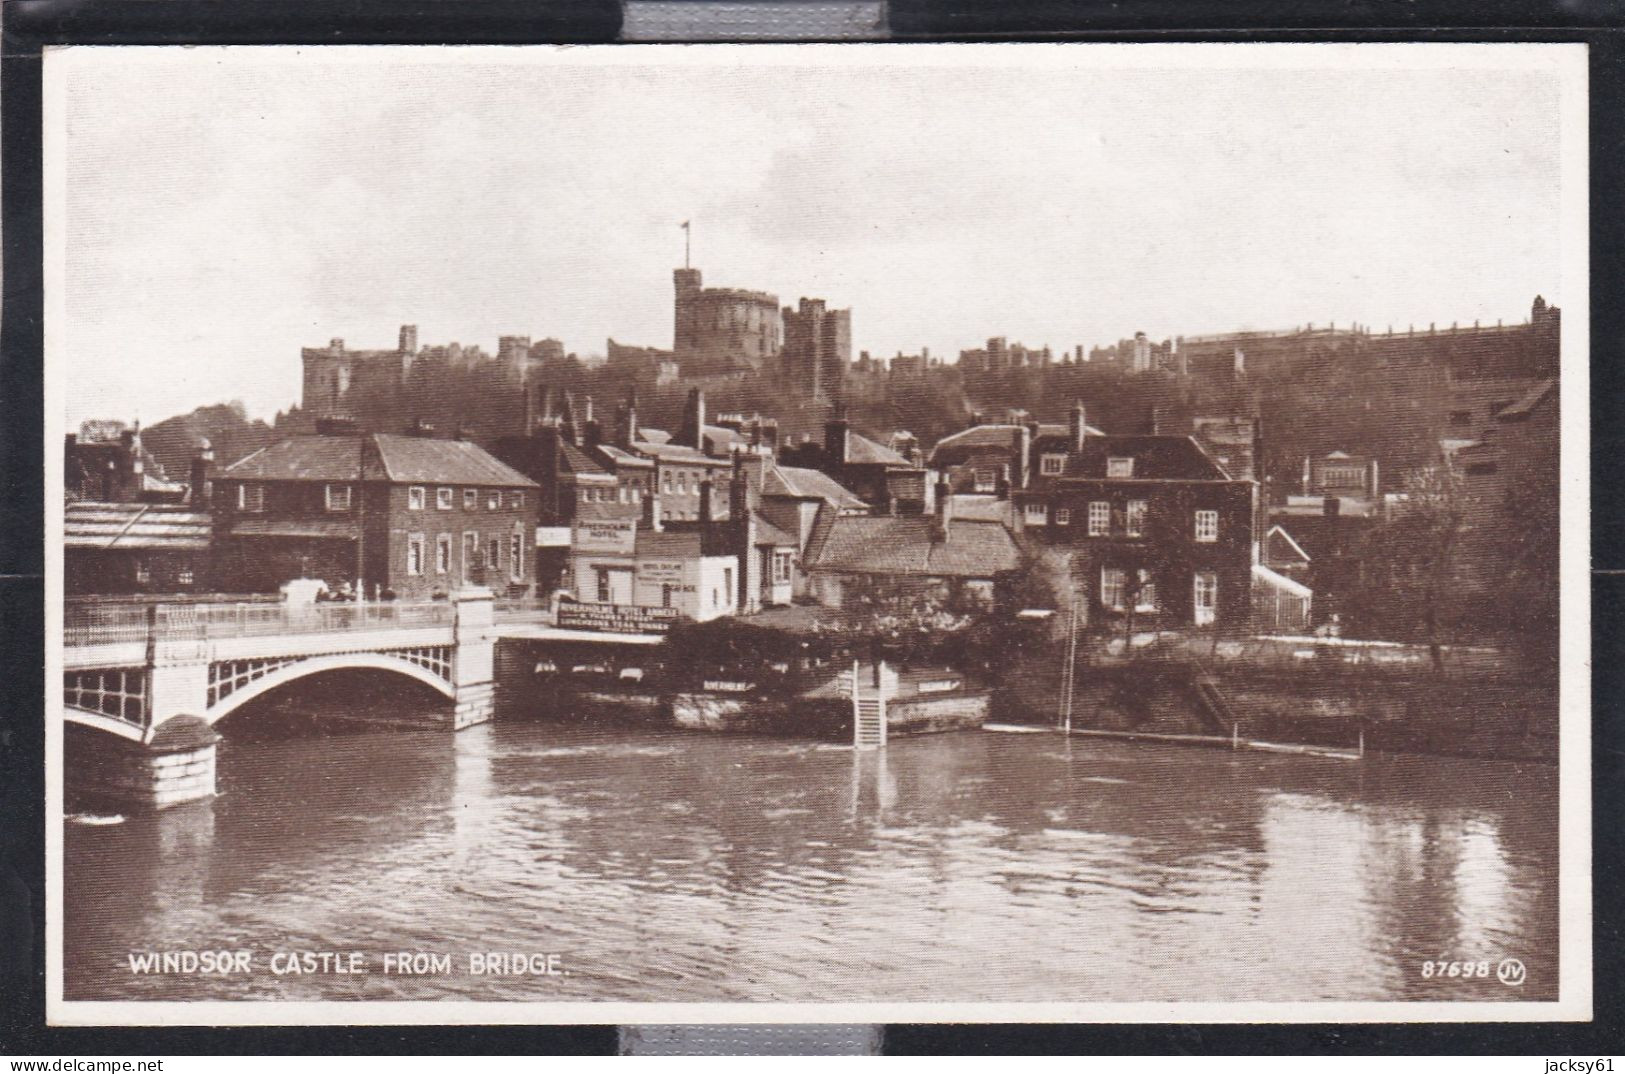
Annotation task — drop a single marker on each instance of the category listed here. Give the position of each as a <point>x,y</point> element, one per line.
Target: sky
<point>222,209</point>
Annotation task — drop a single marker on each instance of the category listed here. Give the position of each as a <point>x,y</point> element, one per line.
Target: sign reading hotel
<point>618,535</point>
<point>616,618</point>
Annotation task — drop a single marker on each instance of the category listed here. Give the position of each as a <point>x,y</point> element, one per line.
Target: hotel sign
<point>616,618</point>
<point>617,535</point>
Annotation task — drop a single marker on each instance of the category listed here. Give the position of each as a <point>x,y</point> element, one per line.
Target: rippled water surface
<point>969,866</point>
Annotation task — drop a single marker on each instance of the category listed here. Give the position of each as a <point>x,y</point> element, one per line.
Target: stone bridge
<point>155,678</point>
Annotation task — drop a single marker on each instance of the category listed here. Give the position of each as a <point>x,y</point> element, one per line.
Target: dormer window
<point>338,497</point>
<point>250,498</point>
<point>1052,465</point>
<point>1119,466</point>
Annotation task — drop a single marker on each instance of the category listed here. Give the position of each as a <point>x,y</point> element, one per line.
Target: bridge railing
<point>100,624</point>
<point>524,611</point>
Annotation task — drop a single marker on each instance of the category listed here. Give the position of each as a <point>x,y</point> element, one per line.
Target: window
<point>781,566</point>
<point>414,498</point>
<point>1145,600</point>
<point>143,572</point>
<point>728,580</point>
<point>516,558</point>
<point>471,552</point>
<point>665,482</point>
<point>1134,523</point>
<point>1207,526</point>
<point>1206,599</point>
<point>442,499</point>
<point>620,493</point>
<point>1051,465</point>
<point>250,497</point>
<point>665,594</point>
<point>603,584</point>
<point>1119,467</point>
<point>1100,518</point>
<point>493,553</point>
<point>493,501</point>
<point>414,554</point>
<point>471,499</point>
<point>1063,516</point>
<point>682,483</point>
<point>1113,584</point>
<point>518,499</point>
<point>986,481</point>
<point>442,553</point>
<point>1036,514</point>
<point>185,576</point>
<point>338,497</point>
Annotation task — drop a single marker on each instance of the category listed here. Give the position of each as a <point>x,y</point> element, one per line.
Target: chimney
<point>409,339</point>
<point>975,418</point>
<point>1020,456</point>
<point>528,409</point>
<point>836,431</point>
<point>1078,426</point>
<point>692,431</point>
<point>586,411</point>
<point>592,434</point>
<point>419,428</point>
<point>335,426</point>
<point>200,491</point>
<point>629,426</point>
<point>945,511</point>
<point>706,492</point>
<point>651,512</point>
<point>567,420</point>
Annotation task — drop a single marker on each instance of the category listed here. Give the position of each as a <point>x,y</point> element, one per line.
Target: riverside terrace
<point>144,683</point>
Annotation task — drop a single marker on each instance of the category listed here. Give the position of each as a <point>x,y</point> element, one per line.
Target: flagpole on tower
<point>686,237</point>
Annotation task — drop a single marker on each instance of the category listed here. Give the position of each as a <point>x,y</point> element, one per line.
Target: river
<point>975,866</point>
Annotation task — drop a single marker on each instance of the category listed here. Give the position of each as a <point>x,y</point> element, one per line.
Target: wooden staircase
<point>1212,705</point>
<point>868,716</point>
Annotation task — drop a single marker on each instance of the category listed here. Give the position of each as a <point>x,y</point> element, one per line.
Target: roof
<point>1528,402</point>
<point>1281,547</point>
<point>860,450</point>
<point>618,458</point>
<point>998,435</point>
<point>579,461</point>
<point>654,436</point>
<point>135,525</point>
<point>607,512</point>
<point>800,483</point>
<point>678,453</point>
<point>1268,577</point>
<point>321,528</point>
<point>406,460</point>
<point>889,544</point>
<point>1156,458</point>
<point>979,508</point>
<point>769,534</point>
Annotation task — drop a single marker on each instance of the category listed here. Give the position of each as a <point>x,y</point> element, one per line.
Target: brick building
<point>408,515</point>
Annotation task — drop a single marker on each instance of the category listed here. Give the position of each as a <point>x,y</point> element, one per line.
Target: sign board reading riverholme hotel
<point>607,535</point>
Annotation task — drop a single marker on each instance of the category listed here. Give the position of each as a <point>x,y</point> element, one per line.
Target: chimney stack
<point>201,492</point>
<point>691,433</point>
<point>945,511</point>
<point>706,492</point>
<point>629,426</point>
<point>836,431</point>
<point>1078,427</point>
<point>651,512</point>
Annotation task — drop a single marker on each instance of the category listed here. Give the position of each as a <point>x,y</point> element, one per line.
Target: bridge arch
<point>97,721</point>
<point>299,669</point>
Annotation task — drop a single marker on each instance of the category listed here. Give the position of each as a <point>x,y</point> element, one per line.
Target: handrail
<point>90,624</point>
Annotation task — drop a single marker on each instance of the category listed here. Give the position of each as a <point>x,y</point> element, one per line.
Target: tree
<point>1415,553</point>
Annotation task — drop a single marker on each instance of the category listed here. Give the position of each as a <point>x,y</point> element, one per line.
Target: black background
<point>28,25</point>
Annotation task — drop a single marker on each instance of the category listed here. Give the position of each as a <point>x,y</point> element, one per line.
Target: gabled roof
<point>88,524</point>
<point>577,461</point>
<point>799,483</point>
<point>406,460</point>
<point>678,453</point>
<point>1281,548</point>
<point>999,435</point>
<point>619,458</point>
<point>889,544</point>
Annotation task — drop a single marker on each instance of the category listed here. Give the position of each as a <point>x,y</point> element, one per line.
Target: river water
<point>975,866</point>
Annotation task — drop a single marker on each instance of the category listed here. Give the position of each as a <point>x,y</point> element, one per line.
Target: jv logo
<point>1510,972</point>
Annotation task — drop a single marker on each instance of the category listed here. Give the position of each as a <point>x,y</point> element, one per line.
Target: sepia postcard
<point>817,533</point>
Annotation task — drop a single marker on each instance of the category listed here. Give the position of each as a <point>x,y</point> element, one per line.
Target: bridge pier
<point>474,663</point>
<point>176,766</point>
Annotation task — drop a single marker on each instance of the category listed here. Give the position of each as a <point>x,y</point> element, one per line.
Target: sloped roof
<point>406,459</point>
<point>861,450</point>
<point>578,461</point>
<point>1527,402</point>
<point>1282,548</point>
<point>678,453</point>
<point>803,484</point>
<point>769,534</point>
<point>998,435</point>
<point>617,457</point>
<point>88,524</point>
<point>887,544</point>
<point>980,508</point>
<point>1156,458</point>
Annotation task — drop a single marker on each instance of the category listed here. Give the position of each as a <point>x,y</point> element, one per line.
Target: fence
<point>100,624</point>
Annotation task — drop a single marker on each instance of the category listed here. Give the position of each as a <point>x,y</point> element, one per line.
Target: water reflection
<point>972,866</point>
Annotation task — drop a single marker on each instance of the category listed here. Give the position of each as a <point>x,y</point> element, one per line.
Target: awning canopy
<point>1268,577</point>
